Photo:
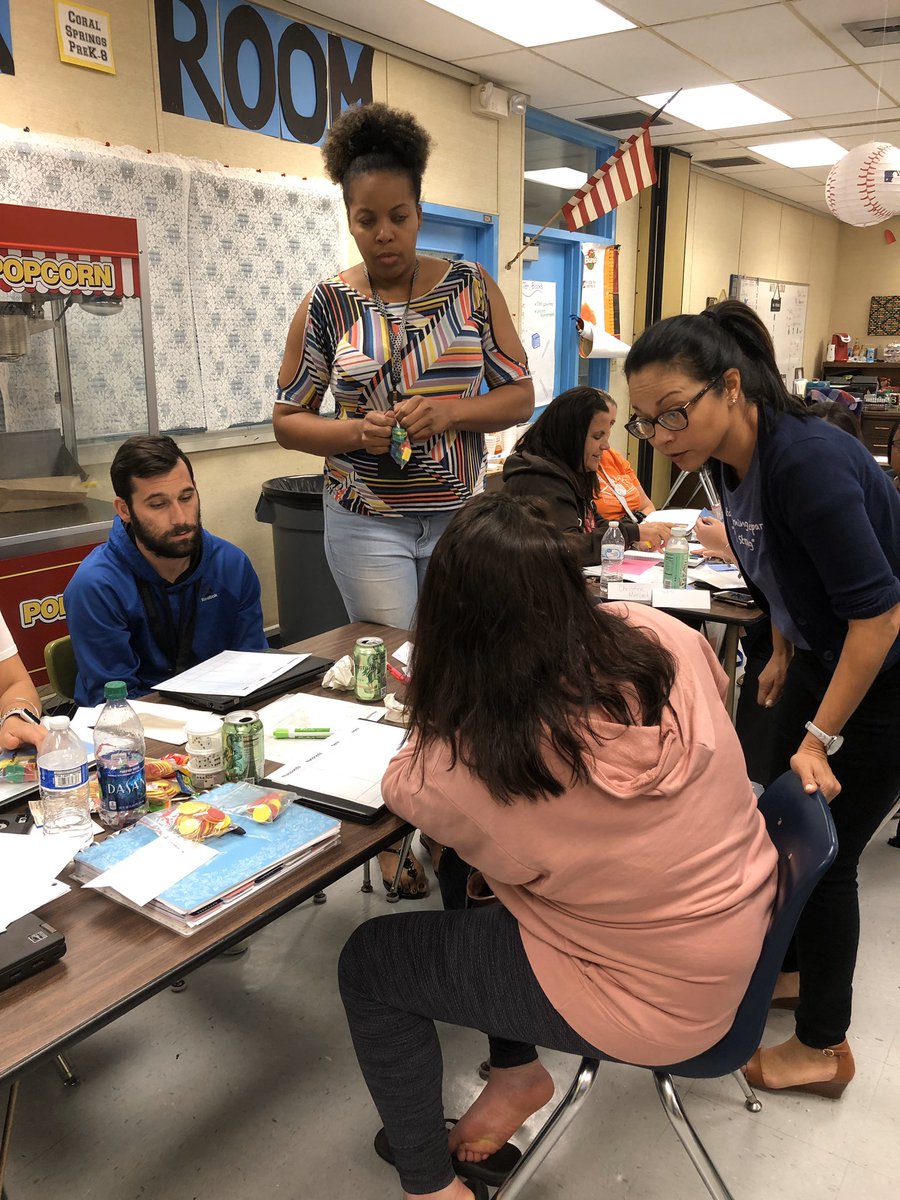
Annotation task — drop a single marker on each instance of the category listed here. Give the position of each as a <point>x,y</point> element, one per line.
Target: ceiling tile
<point>870,119</point>
<point>419,26</point>
<point>758,43</point>
<point>635,62</point>
<point>655,12</point>
<point>887,74</point>
<point>765,177</point>
<point>829,17</point>
<point>547,83</point>
<point>814,93</point>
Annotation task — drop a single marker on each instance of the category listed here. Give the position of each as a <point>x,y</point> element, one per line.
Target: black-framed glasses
<point>672,419</point>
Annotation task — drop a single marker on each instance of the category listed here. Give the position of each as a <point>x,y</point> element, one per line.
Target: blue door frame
<point>461,232</point>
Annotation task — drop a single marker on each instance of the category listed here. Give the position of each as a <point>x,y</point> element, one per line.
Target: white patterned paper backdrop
<point>230,254</point>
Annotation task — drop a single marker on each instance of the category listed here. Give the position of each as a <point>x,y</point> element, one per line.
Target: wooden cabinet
<point>884,370</point>
<point>876,428</point>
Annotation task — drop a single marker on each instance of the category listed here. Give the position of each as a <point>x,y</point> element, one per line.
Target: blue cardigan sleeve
<point>824,497</point>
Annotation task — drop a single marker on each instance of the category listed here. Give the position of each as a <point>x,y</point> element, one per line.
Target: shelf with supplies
<point>880,412</point>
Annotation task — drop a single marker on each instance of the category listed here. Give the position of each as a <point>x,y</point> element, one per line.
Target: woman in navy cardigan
<point>815,526</point>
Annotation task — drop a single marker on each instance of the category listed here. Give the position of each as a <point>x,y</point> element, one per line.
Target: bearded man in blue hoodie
<point>162,594</point>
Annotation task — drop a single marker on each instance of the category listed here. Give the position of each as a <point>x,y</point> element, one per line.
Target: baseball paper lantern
<point>863,188</point>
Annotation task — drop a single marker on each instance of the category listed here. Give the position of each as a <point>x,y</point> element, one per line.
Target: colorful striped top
<point>450,350</point>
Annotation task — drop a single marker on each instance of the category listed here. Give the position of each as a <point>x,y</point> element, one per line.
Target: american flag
<point>622,176</point>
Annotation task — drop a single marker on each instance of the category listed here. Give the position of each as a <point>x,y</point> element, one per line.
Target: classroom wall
<point>476,163</point>
<point>872,269</point>
<point>732,230</point>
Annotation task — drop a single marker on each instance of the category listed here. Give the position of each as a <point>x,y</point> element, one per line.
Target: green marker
<point>321,732</point>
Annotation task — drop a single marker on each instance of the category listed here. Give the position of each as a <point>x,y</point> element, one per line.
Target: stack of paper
<point>28,870</point>
<point>182,885</point>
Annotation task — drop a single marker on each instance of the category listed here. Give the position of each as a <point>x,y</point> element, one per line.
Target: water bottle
<point>119,748</point>
<point>63,779</point>
<point>675,558</point>
<point>612,557</point>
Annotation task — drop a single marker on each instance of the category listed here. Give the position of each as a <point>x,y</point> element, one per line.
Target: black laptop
<point>27,946</point>
<point>308,671</point>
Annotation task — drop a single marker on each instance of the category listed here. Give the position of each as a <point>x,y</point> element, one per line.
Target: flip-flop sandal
<point>409,866</point>
<point>493,1170</point>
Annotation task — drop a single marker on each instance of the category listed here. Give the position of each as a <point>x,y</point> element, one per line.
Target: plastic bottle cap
<point>116,690</point>
<point>57,723</point>
<point>614,524</point>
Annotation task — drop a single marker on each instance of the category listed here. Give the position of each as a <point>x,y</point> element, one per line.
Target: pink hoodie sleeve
<point>442,815</point>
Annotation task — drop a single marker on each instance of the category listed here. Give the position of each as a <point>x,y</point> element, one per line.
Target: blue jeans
<point>378,563</point>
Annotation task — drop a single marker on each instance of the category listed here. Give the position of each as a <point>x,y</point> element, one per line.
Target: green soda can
<point>370,661</point>
<point>244,743</point>
<point>675,558</point>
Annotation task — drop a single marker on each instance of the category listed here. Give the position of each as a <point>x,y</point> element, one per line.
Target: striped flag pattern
<point>622,176</point>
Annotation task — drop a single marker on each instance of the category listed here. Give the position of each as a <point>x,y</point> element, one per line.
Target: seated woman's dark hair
<point>729,334</point>
<point>561,429</point>
<point>375,137</point>
<point>513,659</point>
<point>838,414</point>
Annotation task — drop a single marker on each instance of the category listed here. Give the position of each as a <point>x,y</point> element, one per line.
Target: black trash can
<point>308,599</point>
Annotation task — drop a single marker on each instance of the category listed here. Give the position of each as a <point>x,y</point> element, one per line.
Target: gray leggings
<point>398,975</point>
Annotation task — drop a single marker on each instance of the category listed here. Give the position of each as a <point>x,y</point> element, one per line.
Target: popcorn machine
<point>76,379</point>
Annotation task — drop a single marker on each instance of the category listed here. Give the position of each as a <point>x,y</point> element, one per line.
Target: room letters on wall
<point>7,63</point>
<point>251,68</point>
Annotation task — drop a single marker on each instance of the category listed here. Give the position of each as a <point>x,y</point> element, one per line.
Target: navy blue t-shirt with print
<point>742,508</point>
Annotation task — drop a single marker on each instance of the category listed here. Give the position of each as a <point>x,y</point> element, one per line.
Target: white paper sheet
<point>698,601</point>
<point>232,673</point>
<point>305,712</point>
<point>163,722</point>
<point>149,871</point>
<point>403,653</point>
<point>348,765</point>
<point>28,870</point>
<point>638,593</point>
<point>677,516</point>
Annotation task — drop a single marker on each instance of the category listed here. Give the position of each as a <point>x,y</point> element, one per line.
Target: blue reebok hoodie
<point>128,623</point>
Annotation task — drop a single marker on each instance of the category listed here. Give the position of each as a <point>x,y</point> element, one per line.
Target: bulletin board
<point>781,306</point>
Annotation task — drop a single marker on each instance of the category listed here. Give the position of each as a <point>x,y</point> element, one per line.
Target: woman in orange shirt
<point>619,495</point>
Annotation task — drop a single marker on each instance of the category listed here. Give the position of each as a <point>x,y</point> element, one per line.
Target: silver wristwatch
<point>831,741</point>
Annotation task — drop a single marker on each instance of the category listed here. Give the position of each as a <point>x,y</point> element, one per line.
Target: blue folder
<point>261,852</point>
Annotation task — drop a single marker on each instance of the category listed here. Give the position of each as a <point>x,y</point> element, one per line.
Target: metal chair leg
<point>550,1132</point>
<point>393,895</point>
<point>367,877</point>
<point>6,1136</point>
<point>66,1074</point>
<point>752,1102</point>
<point>678,1119</point>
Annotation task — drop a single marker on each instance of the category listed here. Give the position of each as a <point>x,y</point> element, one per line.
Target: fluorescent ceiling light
<point>806,152</point>
<point>723,106</point>
<point>537,22</point>
<point>559,177</point>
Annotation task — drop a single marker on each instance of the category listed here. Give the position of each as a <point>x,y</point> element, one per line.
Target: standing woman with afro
<point>404,342</point>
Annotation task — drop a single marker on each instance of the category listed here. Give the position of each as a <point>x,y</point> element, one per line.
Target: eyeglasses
<point>672,419</point>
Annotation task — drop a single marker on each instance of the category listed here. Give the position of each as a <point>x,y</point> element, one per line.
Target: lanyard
<point>615,491</point>
<point>396,330</point>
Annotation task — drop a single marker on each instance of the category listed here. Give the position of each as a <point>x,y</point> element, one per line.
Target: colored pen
<point>398,675</point>
<point>320,732</point>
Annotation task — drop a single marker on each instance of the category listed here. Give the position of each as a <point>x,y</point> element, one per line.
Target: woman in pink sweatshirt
<point>583,760</point>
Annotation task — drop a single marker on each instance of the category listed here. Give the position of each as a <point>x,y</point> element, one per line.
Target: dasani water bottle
<point>119,748</point>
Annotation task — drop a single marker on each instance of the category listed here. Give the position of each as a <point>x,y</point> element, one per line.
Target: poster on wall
<point>539,336</point>
<point>249,67</point>
<point>592,284</point>
<point>83,37</point>
<point>7,63</point>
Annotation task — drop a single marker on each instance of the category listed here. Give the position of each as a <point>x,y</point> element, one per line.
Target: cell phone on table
<point>740,598</point>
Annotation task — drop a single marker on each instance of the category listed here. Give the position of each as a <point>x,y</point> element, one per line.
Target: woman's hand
<point>770,684</point>
<point>653,535</point>
<point>711,535</point>
<point>424,417</point>
<point>376,431</point>
<point>18,732</point>
<point>810,763</point>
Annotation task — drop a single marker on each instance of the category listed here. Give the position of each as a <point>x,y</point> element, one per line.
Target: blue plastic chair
<point>802,832</point>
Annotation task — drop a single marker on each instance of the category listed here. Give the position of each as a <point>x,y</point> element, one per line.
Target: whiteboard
<point>781,307</point>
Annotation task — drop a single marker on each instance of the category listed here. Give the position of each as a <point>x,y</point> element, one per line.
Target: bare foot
<point>510,1096</point>
<point>793,1063</point>
<point>787,986</point>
